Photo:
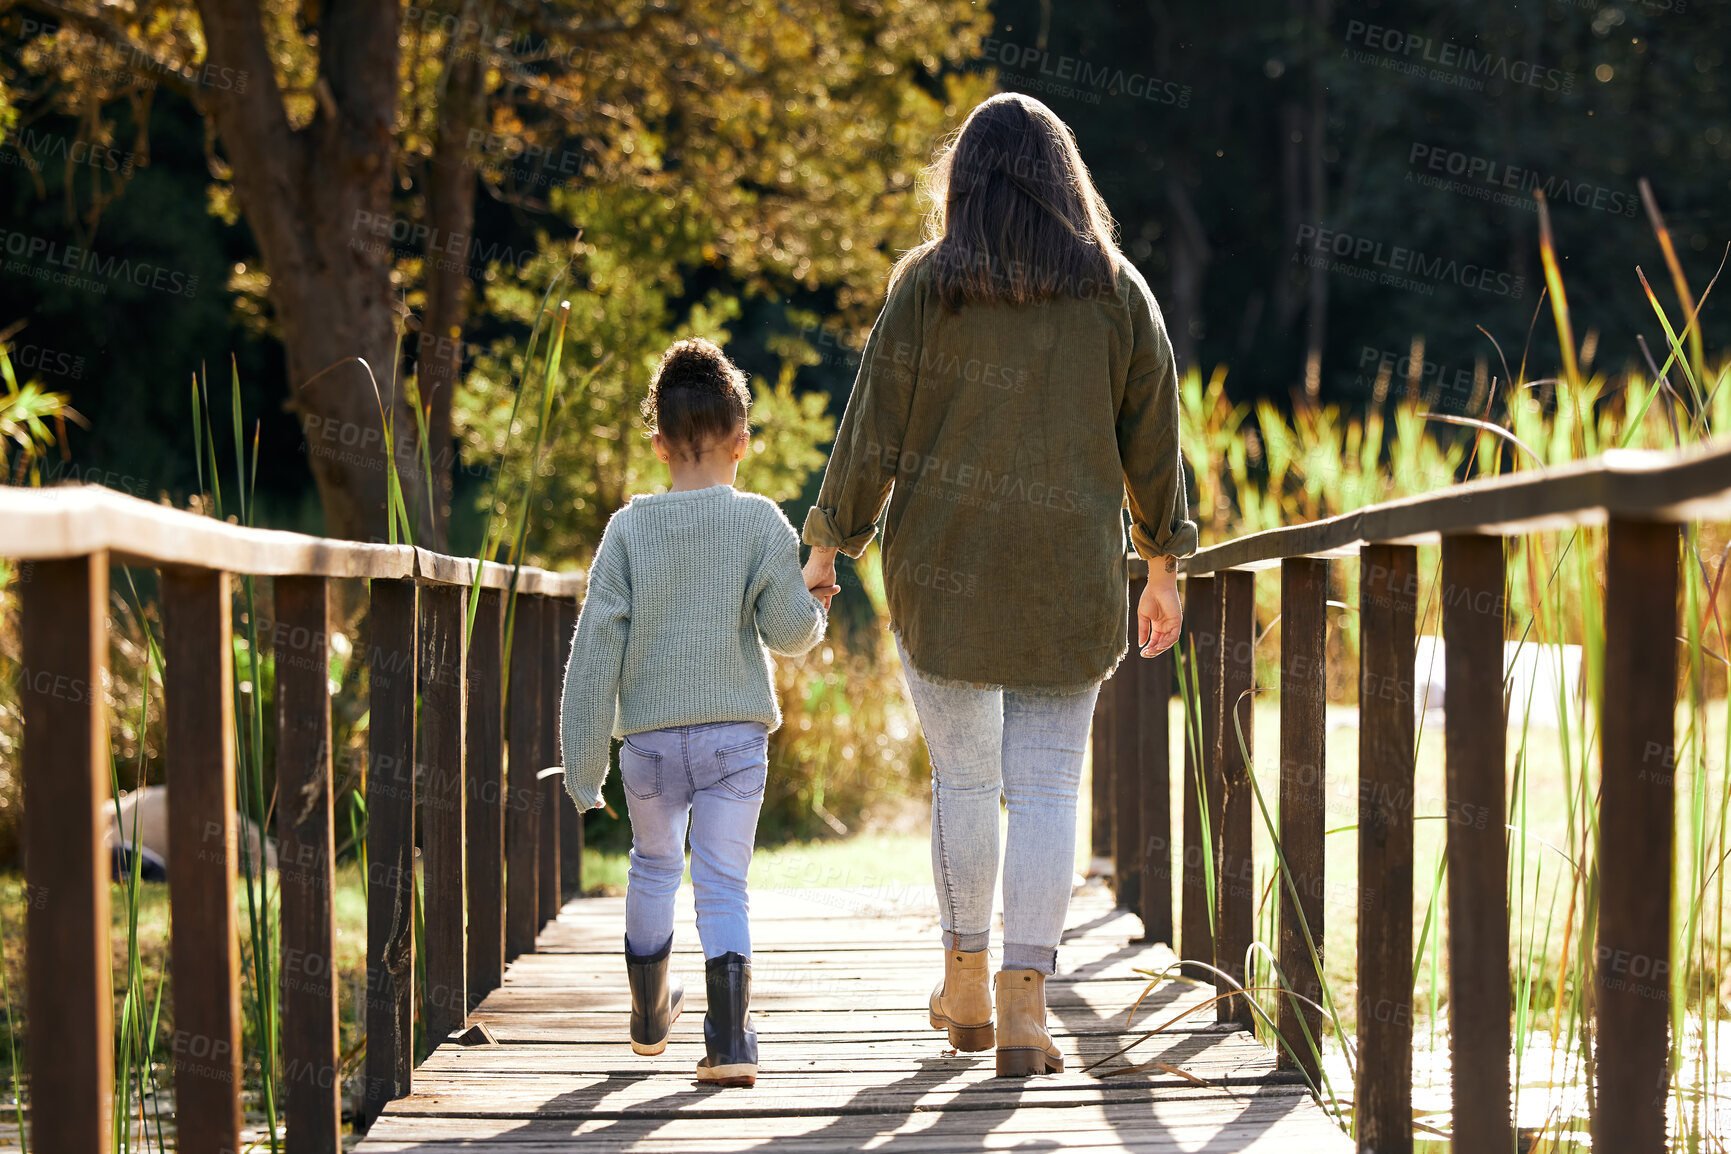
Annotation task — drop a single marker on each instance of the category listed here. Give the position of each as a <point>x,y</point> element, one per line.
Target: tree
<point>354,136</point>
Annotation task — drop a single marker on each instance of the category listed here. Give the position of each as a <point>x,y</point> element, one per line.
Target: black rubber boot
<point>655,1004</point>
<point>727,1031</point>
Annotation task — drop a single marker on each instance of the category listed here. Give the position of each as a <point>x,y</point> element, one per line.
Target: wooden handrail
<point>1642,496</point>
<point>1671,485</point>
<point>511,885</point>
<point>441,768</point>
<point>77,520</point>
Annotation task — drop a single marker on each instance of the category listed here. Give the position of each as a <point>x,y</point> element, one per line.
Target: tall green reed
<point>260,946</point>
<point>135,1046</point>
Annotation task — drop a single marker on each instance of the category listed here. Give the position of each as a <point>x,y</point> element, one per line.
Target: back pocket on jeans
<point>744,768</point>
<point>640,770</point>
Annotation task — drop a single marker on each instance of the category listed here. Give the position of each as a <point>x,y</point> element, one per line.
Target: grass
<point>894,866</point>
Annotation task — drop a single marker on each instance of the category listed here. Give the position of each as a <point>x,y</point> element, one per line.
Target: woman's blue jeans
<point>710,777</point>
<point>1026,747</point>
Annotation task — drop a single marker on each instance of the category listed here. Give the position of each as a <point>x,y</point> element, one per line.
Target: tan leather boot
<point>1024,1046</point>
<point>961,1002</point>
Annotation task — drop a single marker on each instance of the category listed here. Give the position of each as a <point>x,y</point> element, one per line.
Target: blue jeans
<point>1026,747</point>
<point>711,778</point>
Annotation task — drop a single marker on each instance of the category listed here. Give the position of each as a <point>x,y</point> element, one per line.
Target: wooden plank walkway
<point>848,1060</point>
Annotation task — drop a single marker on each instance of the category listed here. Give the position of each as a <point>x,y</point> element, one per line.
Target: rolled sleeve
<point>821,532</point>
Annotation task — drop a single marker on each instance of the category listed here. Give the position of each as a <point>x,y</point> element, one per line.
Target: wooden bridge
<point>849,1063</point>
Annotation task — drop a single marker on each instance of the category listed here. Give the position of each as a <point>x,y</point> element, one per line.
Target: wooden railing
<point>1643,497</point>
<point>498,847</point>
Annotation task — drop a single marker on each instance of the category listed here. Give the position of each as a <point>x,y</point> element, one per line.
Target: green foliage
<point>850,748</point>
<point>25,434</point>
<point>624,312</point>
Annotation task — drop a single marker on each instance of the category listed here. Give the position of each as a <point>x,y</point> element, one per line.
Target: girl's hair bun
<point>697,396</point>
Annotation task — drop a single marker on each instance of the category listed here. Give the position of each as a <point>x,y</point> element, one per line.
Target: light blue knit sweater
<point>686,591</point>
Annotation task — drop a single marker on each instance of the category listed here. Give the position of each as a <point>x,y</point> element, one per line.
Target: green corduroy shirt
<point>1004,440</point>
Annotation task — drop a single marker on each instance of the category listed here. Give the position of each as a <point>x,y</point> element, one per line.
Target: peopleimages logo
<point>1399,365</point>
<point>48,260</point>
<point>1447,62</point>
<point>30,148</point>
<point>1365,258</point>
<point>1069,75</point>
<point>449,250</point>
<point>1482,179</point>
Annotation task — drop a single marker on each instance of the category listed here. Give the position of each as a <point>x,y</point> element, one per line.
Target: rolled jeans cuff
<point>967,943</point>
<point>1018,956</point>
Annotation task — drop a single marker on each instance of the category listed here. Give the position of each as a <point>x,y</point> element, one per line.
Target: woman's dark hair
<point>697,397</point>
<point>1015,216</point>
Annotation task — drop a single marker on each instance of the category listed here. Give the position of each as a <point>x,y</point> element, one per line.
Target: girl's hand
<point>1158,615</point>
<point>820,575</point>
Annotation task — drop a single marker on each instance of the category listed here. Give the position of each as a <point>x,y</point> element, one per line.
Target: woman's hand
<point>1158,615</point>
<point>820,575</point>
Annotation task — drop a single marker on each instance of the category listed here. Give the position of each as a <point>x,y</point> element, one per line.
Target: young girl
<point>686,590</point>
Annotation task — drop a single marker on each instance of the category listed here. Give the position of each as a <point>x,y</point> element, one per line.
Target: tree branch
<point>267,157</point>
<point>248,113</point>
<point>541,20</point>
<point>141,62</point>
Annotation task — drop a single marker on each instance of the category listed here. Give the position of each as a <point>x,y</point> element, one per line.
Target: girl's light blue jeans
<point>1026,747</point>
<point>710,778</point>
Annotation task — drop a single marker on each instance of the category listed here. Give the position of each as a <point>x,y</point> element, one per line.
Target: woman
<point>1017,383</point>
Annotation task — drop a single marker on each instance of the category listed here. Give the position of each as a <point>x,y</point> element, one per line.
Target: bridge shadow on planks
<point>848,1060</point>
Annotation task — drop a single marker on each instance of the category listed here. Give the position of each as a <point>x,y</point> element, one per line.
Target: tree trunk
<point>451,207</point>
<point>318,201</point>
<point>1190,256</point>
<point>1188,251</point>
<point>1316,182</point>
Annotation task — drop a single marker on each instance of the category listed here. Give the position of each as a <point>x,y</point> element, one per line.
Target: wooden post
<point>390,845</point>
<point>523,810</point>
<point>484,815</point>
<point>1636,827</point>
<point>570,821</point>
<point>1197,925</point>
<point>1478,929</point>
<point>550,790</point>
<point>1125,688</point>
<point>1303,789</point>
<point>443,673</point>
<point>312,1109</point>
<point>1101,761</point>
<point>1387,611</point>
<point>1154,767</point>
<point>63,622</point>
<point>198,715</point>
<point>1235,875</point>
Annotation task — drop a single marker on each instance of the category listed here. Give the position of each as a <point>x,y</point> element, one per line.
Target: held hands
<point>1158,615</point>
<point>820,575</point>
